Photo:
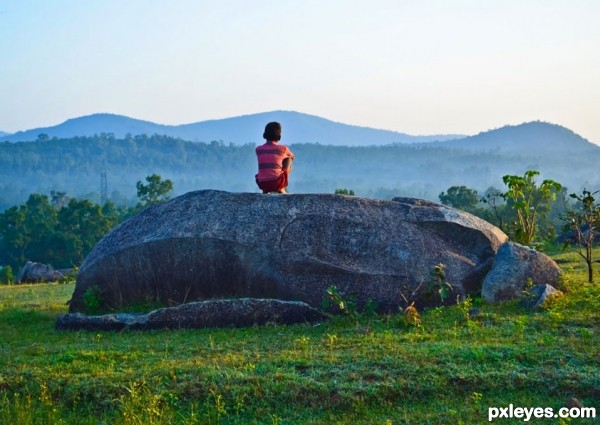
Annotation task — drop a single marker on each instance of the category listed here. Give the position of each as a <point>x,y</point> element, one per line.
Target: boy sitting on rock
<point>274,161</point>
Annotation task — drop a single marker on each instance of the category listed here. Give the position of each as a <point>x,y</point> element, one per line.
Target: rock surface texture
<point>204,314</point>
<point>212,244</point>
<point>539,294</point>
<point>37,272</point>
<point>513,266</point>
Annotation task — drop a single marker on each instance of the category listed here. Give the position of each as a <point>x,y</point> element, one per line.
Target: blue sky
<point>421,66</point>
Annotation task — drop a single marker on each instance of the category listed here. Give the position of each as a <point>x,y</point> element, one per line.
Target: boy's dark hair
<point>272,131</point>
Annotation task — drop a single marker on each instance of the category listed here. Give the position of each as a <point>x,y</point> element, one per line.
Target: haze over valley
<point>71,157</point>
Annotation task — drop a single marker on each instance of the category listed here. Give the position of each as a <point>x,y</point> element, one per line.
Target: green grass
<point>375,370</point>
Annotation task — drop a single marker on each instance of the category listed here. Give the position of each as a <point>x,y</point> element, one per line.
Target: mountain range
<point>373,163</point>
<point>297,128</point>
<point>535,135</point>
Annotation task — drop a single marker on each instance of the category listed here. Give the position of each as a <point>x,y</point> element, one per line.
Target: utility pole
<point>103,188</point>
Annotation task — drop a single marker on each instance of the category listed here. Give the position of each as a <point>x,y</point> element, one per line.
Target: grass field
<point>365,370</point>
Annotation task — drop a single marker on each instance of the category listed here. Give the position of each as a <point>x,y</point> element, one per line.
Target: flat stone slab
<point>204,314</point>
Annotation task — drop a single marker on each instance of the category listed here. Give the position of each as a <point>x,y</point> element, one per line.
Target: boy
<point>274,161</point>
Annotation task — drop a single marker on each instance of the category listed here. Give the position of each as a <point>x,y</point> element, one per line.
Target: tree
<point>40,223</point>
<point>460,197</point>
<point>584,224</point>
<point>37,231</point>
<point>13,239</point>
<point>81,224</point>
<point>155,191</point>
<point>497,212</point>
<point>25,231</point>
<point>528,199</point>
<point>58,199</point>
<point>348,192</point>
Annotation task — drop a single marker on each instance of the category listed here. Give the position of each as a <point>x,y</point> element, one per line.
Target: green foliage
<point>81,225</point>
<point>411,316</point>
<point>38,231</point>
<point>529,200</point>
<point>439,285</point>
<point>92,299</point>
<point>344,192</point>
<point>70,277</point>
<point>26,231</point>
<point>496,207</point>
<point>584,223</point>
<point>460,197</point>
<point>157,190</point>
<point>6,275</point>
<point>497,212</point>
<point>74,165</point>
<point>345,304</point>
<point>58,199</point>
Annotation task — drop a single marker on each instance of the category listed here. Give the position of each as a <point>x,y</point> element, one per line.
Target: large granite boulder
<point>212,244</point>
<point>33,272</point>
<point>514,265</point>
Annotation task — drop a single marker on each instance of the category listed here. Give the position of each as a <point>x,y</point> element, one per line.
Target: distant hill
<point>88,126</point>
<point>297,128</point>
<point>422,170</point>
<point>3,133</point>
<point>536,135</point>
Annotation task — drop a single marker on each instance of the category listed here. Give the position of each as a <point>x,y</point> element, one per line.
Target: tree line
<point>74,165</point>
<point>60,230</point>
<point>534,214</point>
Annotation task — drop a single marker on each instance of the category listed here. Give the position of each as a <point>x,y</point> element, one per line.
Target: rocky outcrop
<point>539,294</point>
<point>204,314</point>
<point>513,266</point>
<point>212,244</point>
<point>37,272</point>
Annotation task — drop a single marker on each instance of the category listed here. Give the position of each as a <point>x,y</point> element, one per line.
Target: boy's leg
<point>283,182</point>
<point>287,169</point>
<point>277,186</point>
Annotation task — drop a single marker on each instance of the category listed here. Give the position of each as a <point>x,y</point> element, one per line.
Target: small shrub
<point>70,277</point>
<point>333,298</point>
<point>348,192</point>
<point>465,307</point>
<point>412,316</point>
<point>6,275</point>
<point>439,284</point>
<point>92,299</point>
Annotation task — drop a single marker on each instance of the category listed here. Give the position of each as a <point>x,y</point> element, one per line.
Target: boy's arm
<point>289,153</point>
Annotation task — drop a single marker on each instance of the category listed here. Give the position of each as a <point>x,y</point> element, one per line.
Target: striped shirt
<point>270,160</point>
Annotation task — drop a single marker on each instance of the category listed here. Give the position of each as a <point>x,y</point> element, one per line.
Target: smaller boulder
<point>573,402</point>
<point>239,312</point>
<point>37,272</point>
<point>513,265</point>
<point>539,294</point>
